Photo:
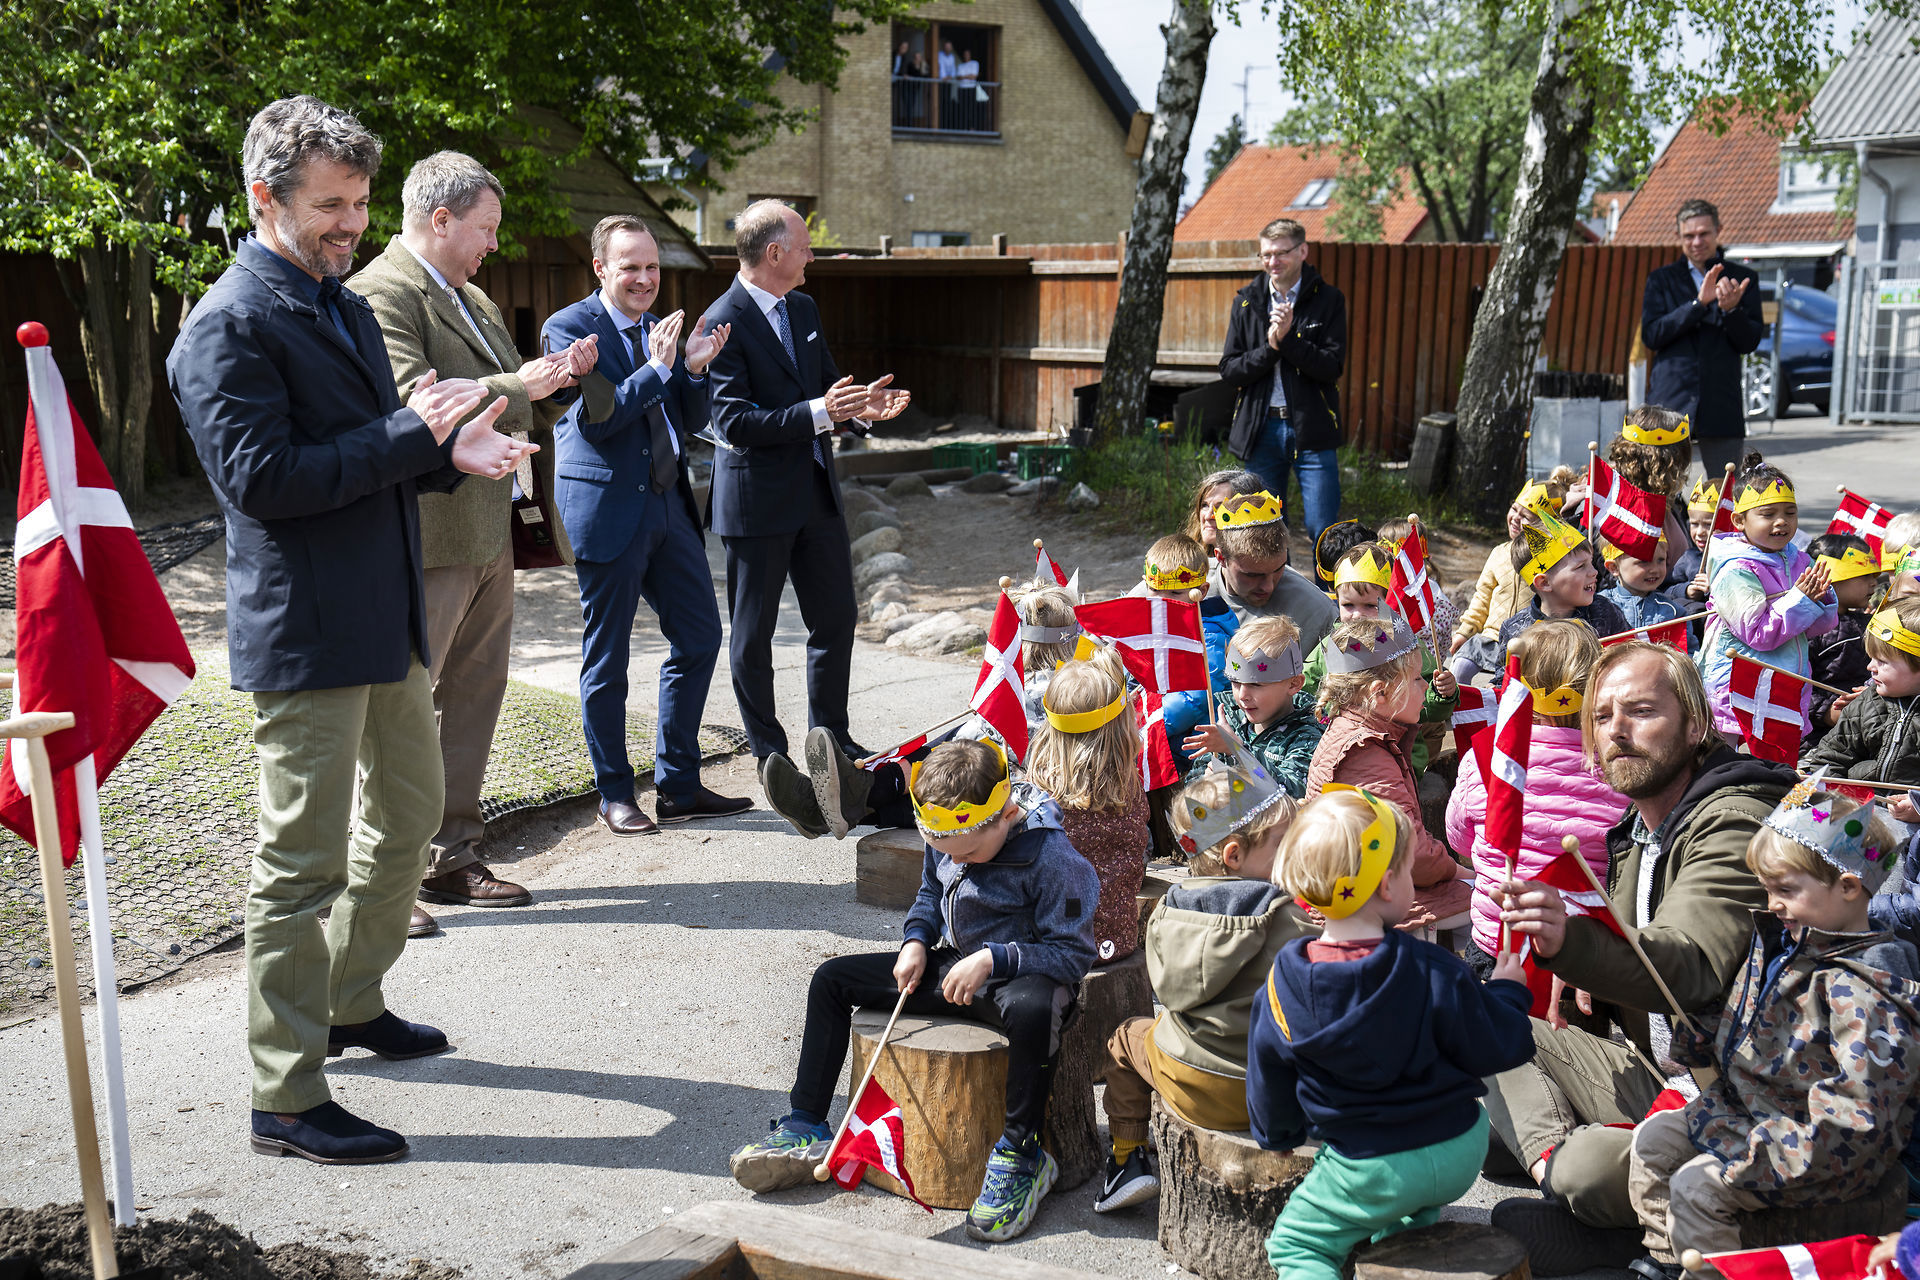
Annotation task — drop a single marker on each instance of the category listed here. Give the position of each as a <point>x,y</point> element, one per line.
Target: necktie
<point>461,307</point>
<point>785,328</point>
<point>330,308</point>
<point>666,469</point>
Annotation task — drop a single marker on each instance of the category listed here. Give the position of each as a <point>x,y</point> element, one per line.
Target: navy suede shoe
<point>391,1037</point>
<point>326,1134</point>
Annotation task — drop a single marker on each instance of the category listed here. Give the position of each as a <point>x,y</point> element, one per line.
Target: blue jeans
<point>1274,456</point>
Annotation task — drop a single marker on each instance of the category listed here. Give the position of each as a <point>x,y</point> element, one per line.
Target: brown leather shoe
<point>625,818</point>
<point>473,886</point>
<point>421,924</point>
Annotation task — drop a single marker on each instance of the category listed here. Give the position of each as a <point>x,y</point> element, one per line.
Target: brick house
<point>1263,183</point>
<point>1041,144</point>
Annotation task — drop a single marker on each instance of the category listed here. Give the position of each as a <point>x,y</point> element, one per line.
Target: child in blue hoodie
<point>1001,932</point>
<point>1372,1041</point>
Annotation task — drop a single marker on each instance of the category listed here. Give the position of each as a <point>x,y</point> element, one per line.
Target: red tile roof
<point>1259,185</point>
<point>1740,173</point>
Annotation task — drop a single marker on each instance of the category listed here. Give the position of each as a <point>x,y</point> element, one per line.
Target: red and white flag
<point>1410,591</point>
<point>1723,511</point>
<point>1623,513</point>
<point>898,754</point>
<point>875,1136</point>
<point>1844,1259</point>
<point>1472,716</point>
<point>1044,569</point>
<point>1767,703</point>
<point>96,636</point>
<point>1159,639</point>
<point>1157,765</point>
<point>1506,764</point>
<point>999,695</point>
<point>1580,898</point>
<point>1673,634</point>
<point>1861,518</point>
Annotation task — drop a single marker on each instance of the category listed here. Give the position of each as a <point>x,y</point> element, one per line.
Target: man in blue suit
<point>777,399</point>
<point>622,490</point>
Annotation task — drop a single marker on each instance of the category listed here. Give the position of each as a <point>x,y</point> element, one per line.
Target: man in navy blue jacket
<point>622,490</point>
<point>283,382</point>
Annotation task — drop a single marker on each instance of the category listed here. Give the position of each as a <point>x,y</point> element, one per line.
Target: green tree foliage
<point>120,154</point>
<point>1227,144</point>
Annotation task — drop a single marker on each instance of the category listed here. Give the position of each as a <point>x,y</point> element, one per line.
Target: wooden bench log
<point>1444,1251</point>
<point>886,867</point>
<point>1108,997</point>
<point>1219,1196</point>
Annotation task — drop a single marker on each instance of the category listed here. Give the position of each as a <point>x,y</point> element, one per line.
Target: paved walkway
<point>1876,461</point>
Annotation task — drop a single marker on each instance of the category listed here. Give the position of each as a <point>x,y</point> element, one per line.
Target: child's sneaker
<point>1128,1184</point>
<point>784,1158</point>
<point>1013,1189</point>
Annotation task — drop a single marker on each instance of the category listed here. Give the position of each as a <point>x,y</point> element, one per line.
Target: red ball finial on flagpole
<point>32,334</point>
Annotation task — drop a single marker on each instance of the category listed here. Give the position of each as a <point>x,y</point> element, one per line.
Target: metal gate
<point>1880,342</point>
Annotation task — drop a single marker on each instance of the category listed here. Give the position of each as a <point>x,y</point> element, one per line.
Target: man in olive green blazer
<point>435,322</point>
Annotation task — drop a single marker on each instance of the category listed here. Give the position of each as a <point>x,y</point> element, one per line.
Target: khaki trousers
<point>321,845</point>
<point>1136,1070</point>
<point>1576,1084</point>
<point>470,631</point>
<point>1683,1200</point>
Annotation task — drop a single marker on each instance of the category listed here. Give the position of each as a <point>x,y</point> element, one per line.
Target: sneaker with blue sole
<point>784,1158</point>
<point>1014,1187</point>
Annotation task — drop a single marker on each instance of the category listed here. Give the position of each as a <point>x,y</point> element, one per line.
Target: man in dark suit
<point>777,397</point>
<point>1700,317</point>
<point>622,490</point>
<point>284,384</point>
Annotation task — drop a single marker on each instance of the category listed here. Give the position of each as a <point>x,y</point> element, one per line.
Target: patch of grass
<point>1370,492</point>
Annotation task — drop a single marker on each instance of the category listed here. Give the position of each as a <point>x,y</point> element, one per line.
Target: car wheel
<point>1760,399</point>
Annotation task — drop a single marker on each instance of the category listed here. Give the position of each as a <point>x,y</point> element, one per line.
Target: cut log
<point>886,868</point>
<point>1444,1251</point>
<point>1219,1196</point>
<point>1108,997</point>
<point>950,1079</point>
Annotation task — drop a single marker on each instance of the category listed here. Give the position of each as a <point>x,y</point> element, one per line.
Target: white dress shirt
<point>968,71</point>
<point>623,322</point>
<point>459,303</point>
<point>1278,398</point>
<point>767,302</point>
<point>946,63</point>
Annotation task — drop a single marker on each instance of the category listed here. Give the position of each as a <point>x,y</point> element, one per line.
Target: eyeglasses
<point>1275,255</point>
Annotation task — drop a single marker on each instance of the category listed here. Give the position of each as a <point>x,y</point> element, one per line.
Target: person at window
<point>971,95</point>
<point>944,66</point>
<point>902,91</point>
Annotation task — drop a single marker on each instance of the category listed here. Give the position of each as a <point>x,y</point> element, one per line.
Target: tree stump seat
<point>1219,1196</point>
<point>886,868</point>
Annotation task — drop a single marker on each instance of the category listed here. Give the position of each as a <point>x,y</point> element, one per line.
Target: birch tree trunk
<point>1134,343</point>
<point>1496,387</point>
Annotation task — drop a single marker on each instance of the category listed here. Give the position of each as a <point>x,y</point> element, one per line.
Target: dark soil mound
<point>51,1244</point>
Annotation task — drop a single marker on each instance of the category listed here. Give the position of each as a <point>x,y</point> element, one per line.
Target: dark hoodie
<point>1378,1055</point>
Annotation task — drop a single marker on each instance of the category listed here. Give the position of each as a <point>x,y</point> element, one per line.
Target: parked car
<point>1807,321</point>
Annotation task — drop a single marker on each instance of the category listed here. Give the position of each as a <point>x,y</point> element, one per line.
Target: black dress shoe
<point>390,1036</point>
<point>624,818</point>
<point>326,1134</point>
<point>839,785</point>
<point>701,804</point>
<point>1559,1244</point>
<point>790,794</point>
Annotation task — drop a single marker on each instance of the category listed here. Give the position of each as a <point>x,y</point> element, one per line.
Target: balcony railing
<point>921,105</point>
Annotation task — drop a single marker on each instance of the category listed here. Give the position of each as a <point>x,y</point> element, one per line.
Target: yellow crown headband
<point>1248,509</point>
<point>1564,701</point>
<point>1537,498</point>
<point>1376,855</point>
<point>1680,432</point>
<point>1085,721</point>
<point>937,821</point>
<point>1550,541</point>
<point>1851,563</point>
<point>1370,569</point>
<point>1886,627</point>
<point>1176,578</point>
<point>1705,496</point>
<point>1751,497</point>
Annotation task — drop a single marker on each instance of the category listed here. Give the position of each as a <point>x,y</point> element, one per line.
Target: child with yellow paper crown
<point>1002,933</point>
<point>1372,1041</point>
<point>1499,593</point>
<point>1768,596</point>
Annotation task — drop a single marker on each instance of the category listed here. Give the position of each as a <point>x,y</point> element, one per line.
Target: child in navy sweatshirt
<point>1373,1042</point>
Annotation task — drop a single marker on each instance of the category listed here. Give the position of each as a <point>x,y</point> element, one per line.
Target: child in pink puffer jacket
<point>1565,796</point>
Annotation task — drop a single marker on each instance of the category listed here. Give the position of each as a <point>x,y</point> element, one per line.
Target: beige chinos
<point>320,846</point>
<point>1680,1193</point>
<point>470,634</point>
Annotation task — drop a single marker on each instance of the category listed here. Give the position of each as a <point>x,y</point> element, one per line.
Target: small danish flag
<point>999,695</point>
<point>1863,519</point>
<point>1768,704</point>
<point>876,1137</point>
<point>1159,639</point>
<point>1410,591</point>
<point>1623,513</point>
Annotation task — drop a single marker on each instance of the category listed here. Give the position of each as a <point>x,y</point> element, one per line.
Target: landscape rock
<point>867,521</point>
<point>887,564</point>
<point>888,592</point>
<point>857,497</point>
<point>1082,499</point>
<point>1042,487</point>
<point>887,612</point>
<point>867,546</point>
<point>910,485</point>
<point>987,482</point>
<point>907,620</point>
<point>942,633</point>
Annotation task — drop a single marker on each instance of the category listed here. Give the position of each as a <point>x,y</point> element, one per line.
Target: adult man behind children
<point>433,317</point>
<point>1681,886</point>
<point>283,382</point>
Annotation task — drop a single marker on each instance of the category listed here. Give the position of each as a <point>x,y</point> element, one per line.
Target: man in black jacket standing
<point>1700,316</point>
<point>283,381</point>
<point>1286,349</point>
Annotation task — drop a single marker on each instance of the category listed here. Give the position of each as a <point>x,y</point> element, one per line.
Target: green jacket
<point>1701,900</point>
<point>1876,740</point>
<point>1210,942</point>
<point>1435,710</point>
<point>1285,746</point>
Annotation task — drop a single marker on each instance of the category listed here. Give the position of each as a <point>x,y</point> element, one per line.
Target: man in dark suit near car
<point>1700,317</point>
<point>777,398</point>
<point>284,384</point>
<point>625,500</point>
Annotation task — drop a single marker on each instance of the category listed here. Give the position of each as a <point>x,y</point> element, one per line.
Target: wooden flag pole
<point>34,727</point>
<point>820,1171</point>
<point>1571,844</point>
<point>1655,626</point>
<point>1832,782</point>
<point>925,733</point>
<point>1794,675</point>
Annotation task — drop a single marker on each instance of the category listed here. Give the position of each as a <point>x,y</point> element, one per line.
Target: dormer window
<point>1315,195</point>
<point>1808,184</point>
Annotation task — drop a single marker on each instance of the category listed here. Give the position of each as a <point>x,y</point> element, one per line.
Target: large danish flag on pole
<point>96,635</point>
<point>999,695</point>
<point>1159,639</point>
<point>1623,513</point>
